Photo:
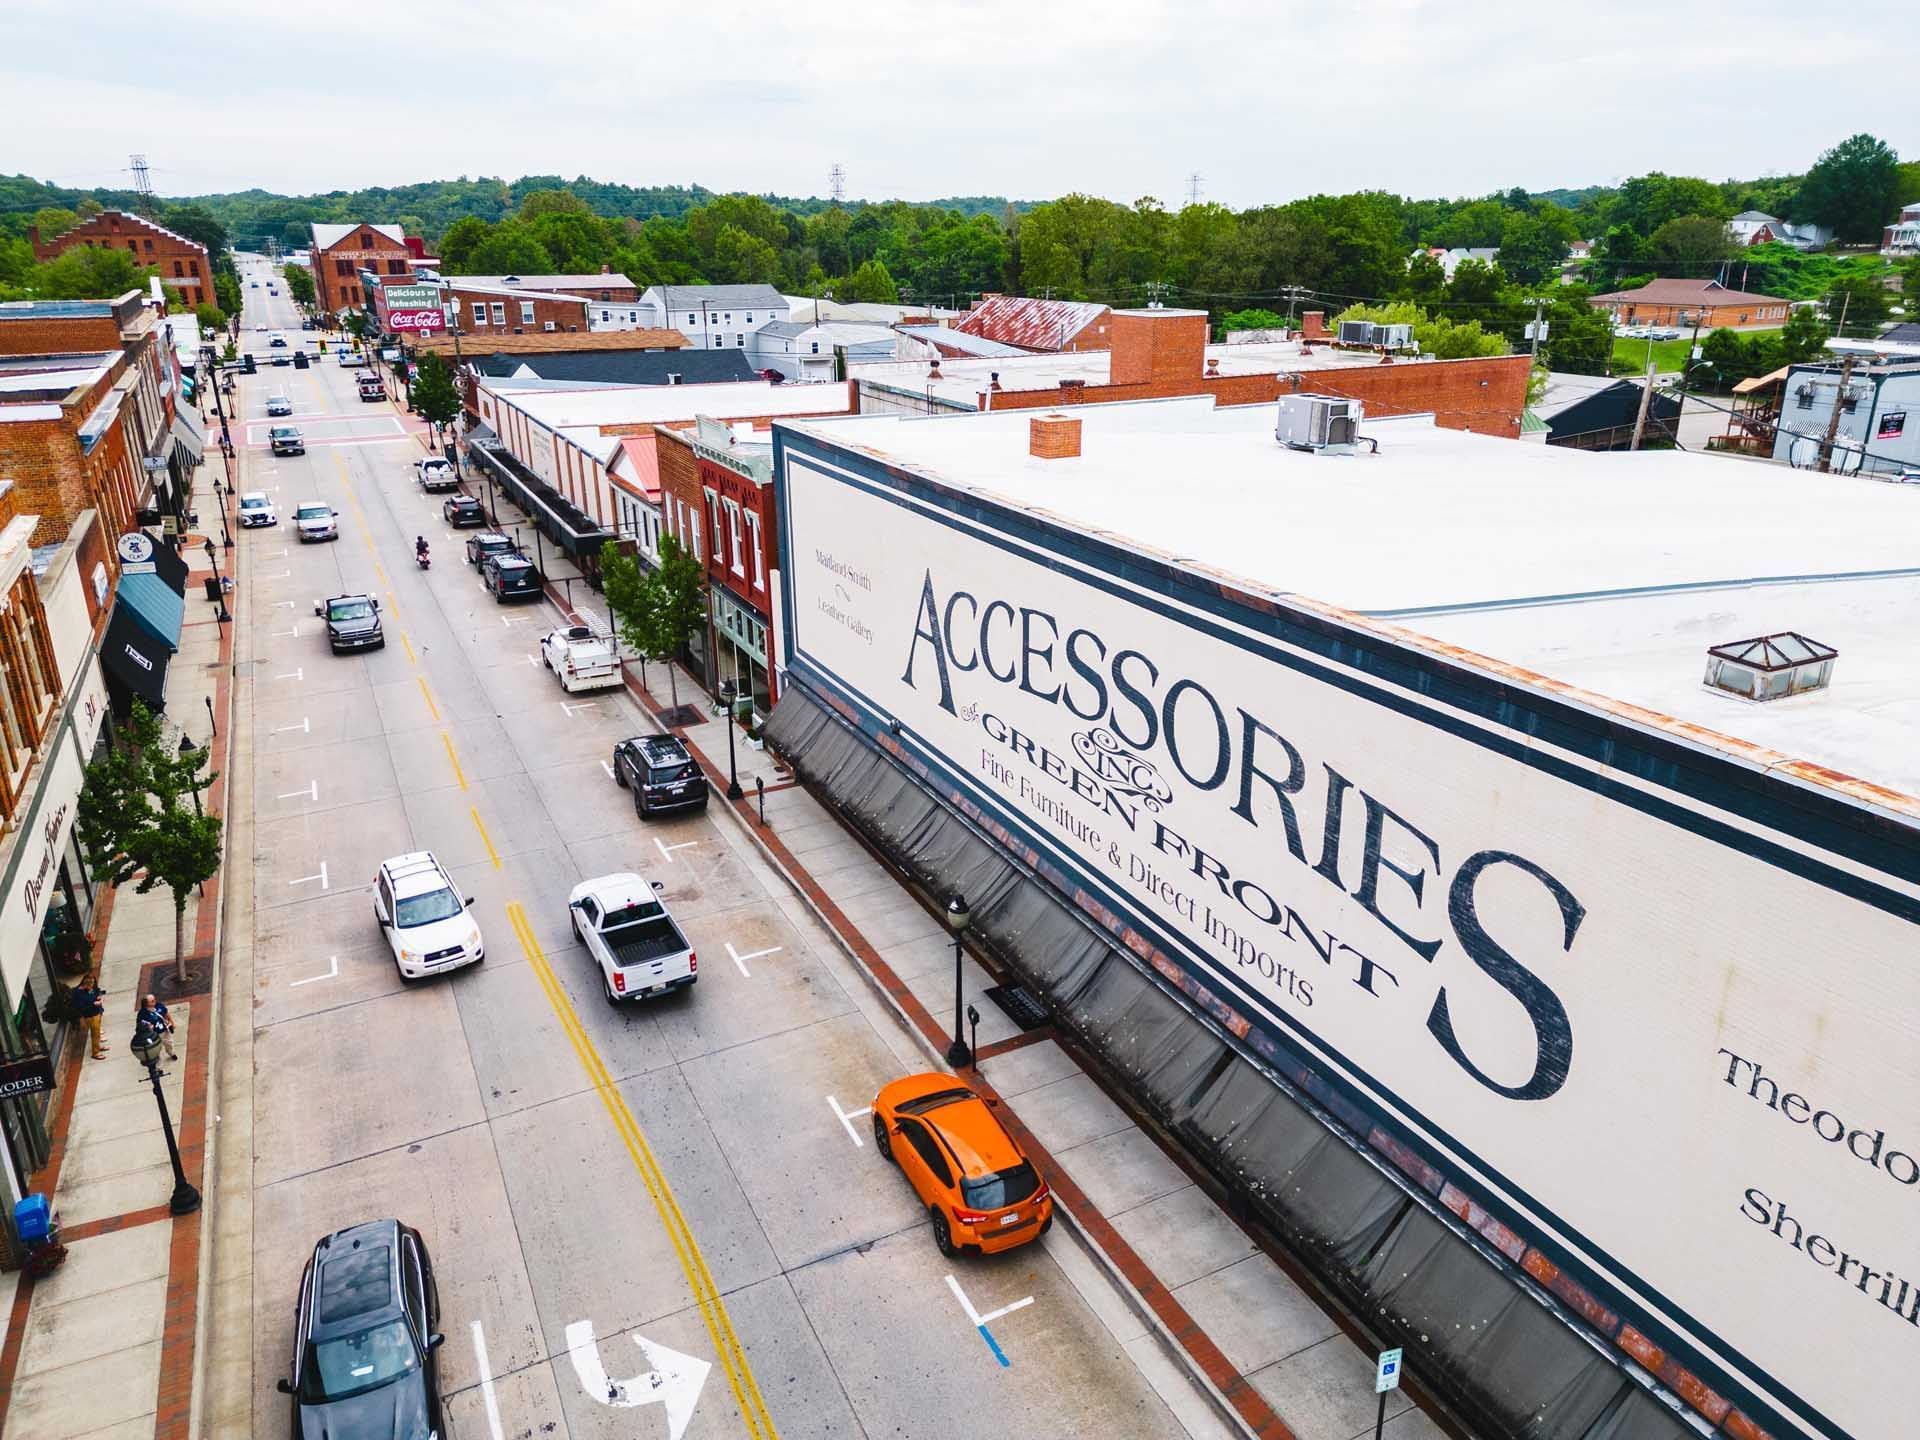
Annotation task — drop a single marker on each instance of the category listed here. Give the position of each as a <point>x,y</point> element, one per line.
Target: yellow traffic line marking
<point>485,839</point>
<point>713,1310</point>
<point>393,605</point>
<point>427,695</point>
<point>412,659</point>
<point>453,759</point>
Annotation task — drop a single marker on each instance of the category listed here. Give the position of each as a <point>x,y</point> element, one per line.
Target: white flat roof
<point>1610,572</point>
<point>641,404</point>
<point>964,379</point>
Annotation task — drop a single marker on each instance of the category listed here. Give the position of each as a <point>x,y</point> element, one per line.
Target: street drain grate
<point>1021,1005</point>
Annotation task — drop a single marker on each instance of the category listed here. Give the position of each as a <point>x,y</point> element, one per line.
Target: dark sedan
<point>365,1336</point>
<point>463,512</point>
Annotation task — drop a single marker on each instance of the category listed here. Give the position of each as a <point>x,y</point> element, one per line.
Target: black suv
<point>353,622</point>
<point>510,577</point>
<point>364,1337</point>
<point>661,774</point>
<point>463,512</point>
<point>489,542</point>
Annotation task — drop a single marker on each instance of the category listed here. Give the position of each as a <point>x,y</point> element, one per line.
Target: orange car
<point>982,1193</point>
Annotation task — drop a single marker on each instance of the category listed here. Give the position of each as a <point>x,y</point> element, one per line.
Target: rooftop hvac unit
<point>1394,337</point>
<point>1356,332</point>
<point>1324,424</point>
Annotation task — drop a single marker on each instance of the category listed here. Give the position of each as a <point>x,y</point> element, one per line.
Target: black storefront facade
<point>143,633</point>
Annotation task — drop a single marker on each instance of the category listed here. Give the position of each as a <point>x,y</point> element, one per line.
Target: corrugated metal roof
<point>640,467</point>
<point>757,297</point>
<point>1029,323</point>
<point>956,344</point>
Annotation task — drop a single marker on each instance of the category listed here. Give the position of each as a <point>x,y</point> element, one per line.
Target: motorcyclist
<point>419,547</point>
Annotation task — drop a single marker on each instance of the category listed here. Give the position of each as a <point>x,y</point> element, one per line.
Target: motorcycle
<point>423,560</point>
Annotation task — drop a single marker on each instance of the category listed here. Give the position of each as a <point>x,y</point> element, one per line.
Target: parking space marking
<point>427,695</point>
<point>453,760</point>
<point>485,839</point>
<point>572,705</point>
<point>666,850</point>
<point>278,603</point>
<point>309,879</point>
<point>741,960</point>
<point>533,659</point>
<point>303,727</point>
<point>980,1321</point>
<point>846,1119</point>
<point>486,1383</point>
<point>511,620</point>
<point>333,972</point>
<point>299,674</point>
<point>294,633</point>
<point>608,768</point>
<point>282,575</point>
<point>312,792</point>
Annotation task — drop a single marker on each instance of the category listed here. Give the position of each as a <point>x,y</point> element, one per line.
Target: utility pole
<point>1294,294</point>
<point>1646,401</point>
<point>1833,420</point>
<point>1536,330</point>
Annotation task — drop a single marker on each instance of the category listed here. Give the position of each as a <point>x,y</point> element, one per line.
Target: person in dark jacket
<point>153,1016</point>
<point>88,1004</point>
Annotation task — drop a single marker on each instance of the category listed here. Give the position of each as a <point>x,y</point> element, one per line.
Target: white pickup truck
<point>631,936</point>
<point>580,659</point>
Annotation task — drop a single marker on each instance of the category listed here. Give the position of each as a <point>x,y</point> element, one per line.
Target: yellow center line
<point>412,659</point>
<point>393,605</point>
<point>713,1310</point>
<point>485,839</point>
<point>427,695</point>
<point>453,759</point>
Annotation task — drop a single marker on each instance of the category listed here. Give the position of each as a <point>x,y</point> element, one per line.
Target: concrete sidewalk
<point>105,1345</point>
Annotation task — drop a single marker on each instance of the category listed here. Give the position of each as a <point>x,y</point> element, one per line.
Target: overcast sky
<point>1266,101</point>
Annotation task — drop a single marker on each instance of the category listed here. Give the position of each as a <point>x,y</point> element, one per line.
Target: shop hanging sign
<point>32,1075</point>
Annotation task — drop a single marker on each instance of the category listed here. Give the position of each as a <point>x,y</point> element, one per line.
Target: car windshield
<point>253,502</point>
<point>425,909</point>
<point>312,512</point>
<point>357,1363</point>
<point>994,1192</point>
<point>349,609</point>
<point>632,915</point>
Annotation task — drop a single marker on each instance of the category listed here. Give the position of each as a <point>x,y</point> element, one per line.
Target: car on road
<point>315,520</point>
<point>435,474</point>
<point>366,1336</point>
<point>353,623</point>
<point>279,405</point>
<point>307,325</point>
<point>256,510</point>
<point>462,512</point>
<point>423,916</point>
<point>259,329</point>
<point>349,357</point>
<point>281,357</point>
<point>287,440</point>
<point>580,658</point>
<point>489,542</point>
<point>632,937</point>
<point>276,340</point>
<point>980,1190</point>
<point>662,774</point>
<point>371,388</point>
<point>253,284</point>
<point>510,577</point>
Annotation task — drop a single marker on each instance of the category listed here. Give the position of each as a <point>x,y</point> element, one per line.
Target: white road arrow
<point>673,1381</point>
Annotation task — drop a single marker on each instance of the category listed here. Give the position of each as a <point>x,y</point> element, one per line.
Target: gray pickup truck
<point>631,936</point>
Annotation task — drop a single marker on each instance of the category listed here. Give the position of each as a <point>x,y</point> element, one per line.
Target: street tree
<point>676,601</point>
<point>1854,187</point>
<point>140,818</point>
<point>624,584</point>
<point>299,285</point>
<point>432,392</point>
<point>1805,335</point>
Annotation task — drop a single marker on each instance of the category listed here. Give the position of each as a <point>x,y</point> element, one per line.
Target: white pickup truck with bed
<point>631,936</point>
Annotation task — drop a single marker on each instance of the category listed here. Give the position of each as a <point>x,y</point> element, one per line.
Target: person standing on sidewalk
<point>88,1003</point>
<point>153,1017</point>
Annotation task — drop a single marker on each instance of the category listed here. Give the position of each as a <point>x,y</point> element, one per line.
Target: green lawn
<point>1630,355</point>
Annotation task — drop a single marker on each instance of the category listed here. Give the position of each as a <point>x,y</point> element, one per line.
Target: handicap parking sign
<point>1386,1375</point>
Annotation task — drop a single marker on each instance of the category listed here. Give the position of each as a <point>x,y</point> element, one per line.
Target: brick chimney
<point>1053,437</point>
<point>1313,325</point>
<point>1152,347</point>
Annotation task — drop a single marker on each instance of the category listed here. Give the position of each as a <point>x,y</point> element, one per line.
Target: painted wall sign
<point>1664,1023</point>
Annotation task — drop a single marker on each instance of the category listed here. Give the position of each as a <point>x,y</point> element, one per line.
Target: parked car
<point>632,937</point>
<point>279,405</point>
<point>353,623</point>
<point>256,510</point>
<point>981,1192</point>
<point>287,440</point>
<point>580,659</point>
<point>462,512</point>
<point>423,917</point>
<point>315,520</point>
<point>366,1336</point>
<point>510,577</point>
<point>489,542</point>
<point>661,772</point>
<point>435,474</point>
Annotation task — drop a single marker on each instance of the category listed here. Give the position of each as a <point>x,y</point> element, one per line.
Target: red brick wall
<point>614,294</point>
<point>564,314</point>
<point>69,336</point>
<point>680,481</point>
<point>182,263</point>
<point>1167,346</point>
<point>56,481</point>
<point>365,249</point>
<point>1485,396</point>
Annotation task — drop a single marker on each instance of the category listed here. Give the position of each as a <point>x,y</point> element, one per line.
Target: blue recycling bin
<point>32,1217</point>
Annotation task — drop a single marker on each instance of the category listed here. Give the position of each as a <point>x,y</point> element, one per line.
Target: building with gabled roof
<point>343,254</point>
<point>714,317</point>
<point>184,264</point>
<point>1043,325</point>
<point>1705,303</point>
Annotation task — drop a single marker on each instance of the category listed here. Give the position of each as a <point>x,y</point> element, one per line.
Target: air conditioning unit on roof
<point>1319,424</point>
<point>1356,332</point>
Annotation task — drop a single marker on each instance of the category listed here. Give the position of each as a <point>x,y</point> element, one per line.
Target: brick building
<point>607,284</point>
<point>485,310</point>
<point>341,253</point>
<point>1687,303</point>
<point>183,264</point>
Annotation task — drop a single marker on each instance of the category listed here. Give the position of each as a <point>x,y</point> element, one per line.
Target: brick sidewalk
<point>107,1341</point>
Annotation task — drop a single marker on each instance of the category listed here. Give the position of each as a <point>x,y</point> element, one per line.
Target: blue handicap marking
<point>994,1345</point>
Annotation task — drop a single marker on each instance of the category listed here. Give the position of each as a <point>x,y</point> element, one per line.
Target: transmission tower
<point>1193,188</point>
<point>837,182</point>
<point>142,184</point>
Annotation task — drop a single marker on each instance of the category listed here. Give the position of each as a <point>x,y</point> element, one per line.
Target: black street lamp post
<point>958,917</point>
<point>729,694</point>
<point>146,1049</point>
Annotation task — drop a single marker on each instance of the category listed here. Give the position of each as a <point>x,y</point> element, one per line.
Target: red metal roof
<point>1029,323</point>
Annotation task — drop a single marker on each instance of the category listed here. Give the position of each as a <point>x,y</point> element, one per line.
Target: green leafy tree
<point>1854,188</point>
<point>871,284</point>
<point>462,239</point>
<point>1426,278</point>
<point>1532,249</point>
<point>52,220</point>
<point>196,222</point>
<point>511,249</point>
<point>1910,287</point>
<point>300,285</point>
<point>552,202</point>
<point>740,258</point>
<point>1726,356</point>
<point>1252,320</point>
<point>87,272</point>
<point>1856,304</point>
<point>87,208</point>
<point>1646,202</point>
<point>1436,335</point>
<point>432,392</point>
<point>140,817</point>
<point>357,324</point>
<point>211,317</point>
<point>1805,335</point>
<point>662,611</point>
<point>1690,246</point>
<point>227,294</point>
